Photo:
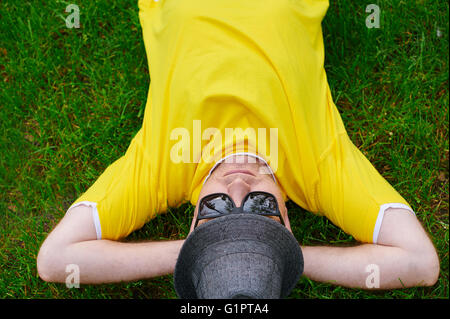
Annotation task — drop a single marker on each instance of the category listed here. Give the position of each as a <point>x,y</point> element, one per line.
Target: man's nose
<point>237,190</point>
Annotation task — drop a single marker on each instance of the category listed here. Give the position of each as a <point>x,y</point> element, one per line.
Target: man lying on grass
<point>239,103</point>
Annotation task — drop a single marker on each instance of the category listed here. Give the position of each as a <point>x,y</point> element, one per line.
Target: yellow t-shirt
<point>221,66</point>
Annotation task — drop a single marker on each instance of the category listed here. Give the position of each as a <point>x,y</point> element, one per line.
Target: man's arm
<point>404,256</point>
<point>73,241</point>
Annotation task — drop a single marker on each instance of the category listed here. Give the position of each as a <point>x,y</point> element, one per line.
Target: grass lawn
<point>72,99</point>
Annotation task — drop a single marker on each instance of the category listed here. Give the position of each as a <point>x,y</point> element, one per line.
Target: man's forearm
<point>366,266</point>
<point>105,261</point>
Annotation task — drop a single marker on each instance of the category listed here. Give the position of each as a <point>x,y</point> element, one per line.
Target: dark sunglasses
<point>220,204</point>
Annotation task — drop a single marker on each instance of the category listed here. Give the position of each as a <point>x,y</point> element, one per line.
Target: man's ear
<point>194,218</point>
<point>284,213</point>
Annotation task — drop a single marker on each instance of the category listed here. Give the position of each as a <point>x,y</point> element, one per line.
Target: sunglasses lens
<point>215,205</point>
<point>260,204</point>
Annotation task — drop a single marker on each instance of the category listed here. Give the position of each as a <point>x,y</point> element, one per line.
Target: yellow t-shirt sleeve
<point>123,195</point>
<point>352,193</point>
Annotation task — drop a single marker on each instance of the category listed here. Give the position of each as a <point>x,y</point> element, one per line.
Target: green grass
<point>72,99</point>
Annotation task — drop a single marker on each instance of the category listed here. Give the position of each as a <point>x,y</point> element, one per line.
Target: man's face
<point>238,176</point>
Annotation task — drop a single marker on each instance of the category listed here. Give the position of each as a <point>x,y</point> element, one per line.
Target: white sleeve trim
<point>383,208</point>
<point>95,217</point>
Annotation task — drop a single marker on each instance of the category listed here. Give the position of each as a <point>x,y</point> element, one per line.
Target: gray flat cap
<point>238,256</point>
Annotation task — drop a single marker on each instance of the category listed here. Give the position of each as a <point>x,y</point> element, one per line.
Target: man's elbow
<point>433,272</point>
<point>46,263</point>
<point>429,267</point>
